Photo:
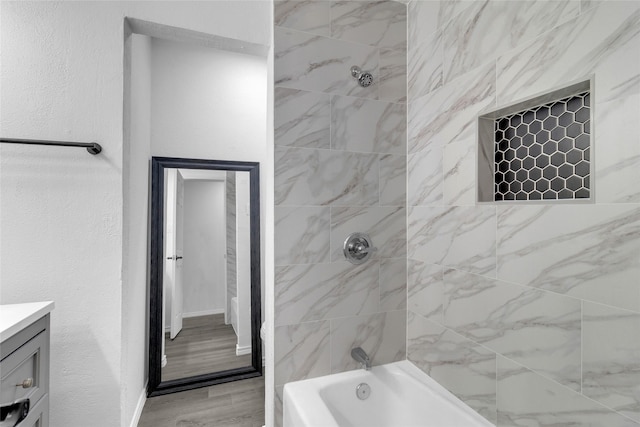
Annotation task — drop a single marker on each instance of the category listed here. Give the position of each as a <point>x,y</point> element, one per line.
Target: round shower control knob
<point>358,248</point>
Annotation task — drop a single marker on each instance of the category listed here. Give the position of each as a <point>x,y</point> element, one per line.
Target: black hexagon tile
<point>543,153</point>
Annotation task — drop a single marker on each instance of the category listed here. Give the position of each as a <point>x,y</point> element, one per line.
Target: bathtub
<point>401,395</point>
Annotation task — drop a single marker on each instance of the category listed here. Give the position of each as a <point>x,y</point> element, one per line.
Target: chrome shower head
<point>365,78</point>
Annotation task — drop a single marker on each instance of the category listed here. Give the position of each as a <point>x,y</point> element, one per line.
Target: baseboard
<point>241,351</point>
<point>203,313</point>
<point>139,407</point>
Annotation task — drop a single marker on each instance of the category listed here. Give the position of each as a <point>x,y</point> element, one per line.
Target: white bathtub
<point>401,396</point>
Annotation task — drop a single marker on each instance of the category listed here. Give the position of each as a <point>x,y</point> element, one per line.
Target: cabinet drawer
<point>24,363</point>
<point>38,414</point>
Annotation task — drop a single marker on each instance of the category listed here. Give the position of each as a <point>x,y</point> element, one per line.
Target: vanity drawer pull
<point>28,383</point>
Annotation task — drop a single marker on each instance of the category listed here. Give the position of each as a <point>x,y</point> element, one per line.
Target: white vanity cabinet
<point>24,363</point>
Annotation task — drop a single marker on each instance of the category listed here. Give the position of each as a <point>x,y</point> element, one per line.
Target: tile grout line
<point>566,387</point>
<point>406,184</point>
<point>541,375</point>
<point>496,389</point>
<point>582,347</point>
<point>497,279</point>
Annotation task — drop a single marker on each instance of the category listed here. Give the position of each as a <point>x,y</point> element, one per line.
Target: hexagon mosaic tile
<point>543,153</point>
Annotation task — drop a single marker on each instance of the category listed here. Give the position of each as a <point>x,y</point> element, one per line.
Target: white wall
<point>204,247</point>
<point>207,103</point>
<point>62,212</point>
<point>243,257</point>
<point>169,229</point>
<point>135,268</point>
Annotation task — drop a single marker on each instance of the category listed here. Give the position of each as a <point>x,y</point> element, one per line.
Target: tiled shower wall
<point>528,313</point>
<point>340,167</point>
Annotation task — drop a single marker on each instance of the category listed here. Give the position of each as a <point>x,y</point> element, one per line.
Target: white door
<point>177,291</point>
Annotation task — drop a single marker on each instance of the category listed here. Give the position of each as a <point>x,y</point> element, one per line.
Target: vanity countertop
<point>15,317</point>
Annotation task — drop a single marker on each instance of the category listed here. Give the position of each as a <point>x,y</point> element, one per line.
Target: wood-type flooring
<point>237,404</point>
<point>204,345</point>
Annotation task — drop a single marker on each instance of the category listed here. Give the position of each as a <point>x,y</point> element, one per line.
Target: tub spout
<point>361,357</point>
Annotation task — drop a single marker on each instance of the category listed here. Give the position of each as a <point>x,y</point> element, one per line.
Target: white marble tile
<point>459,171</point>
<point>539,329</point>
<point>425,17</point>
<point>302,235</point>
<point>373,23</point>
<point>450,112</point>
<point>528,399</point>
<point>487,29</point>
<point>393,74</point>
<point>393,284</point>
<point>324,177</point>
<point>393,180</point>
<point>230,234</point>
<point>422,22</point>
<point>302,119</point>
<point>311,16</point>
<point>380,335</point>
<point>611,358</point>
<point>369,126</point>
<point>425,177</point>
<point>604,41</point>
<point>385,225</point>
<point>302,351</point>
<point>278,405</point>
<point>464,368</point>
<point>586,251</point>
<point>462,237</point>
<point>616,149</point>
<point>586,4</point>
<point>424,69</point>
<point>311,292</point>
<point>425,290</point>
<point>315,63</point>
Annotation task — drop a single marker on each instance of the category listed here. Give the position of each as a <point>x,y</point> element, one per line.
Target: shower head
<point>365,78</point>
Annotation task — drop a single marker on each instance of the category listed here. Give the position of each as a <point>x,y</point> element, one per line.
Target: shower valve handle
<point>361,248</point>
<point>358,248</point>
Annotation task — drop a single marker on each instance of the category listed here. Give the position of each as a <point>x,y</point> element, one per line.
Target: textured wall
<point>135,248</point>
<point>530,314</point>
<point>62,212</point>
<point>340,161</point>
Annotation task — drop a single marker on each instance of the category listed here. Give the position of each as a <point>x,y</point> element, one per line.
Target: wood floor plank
<point>204,345</point>
<point>234,404</point>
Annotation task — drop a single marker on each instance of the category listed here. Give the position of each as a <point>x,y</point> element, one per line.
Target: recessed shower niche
<point>538,149</point>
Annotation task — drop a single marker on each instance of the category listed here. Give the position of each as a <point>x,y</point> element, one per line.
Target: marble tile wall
<point>529,313</point>
<point>340,167</point>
